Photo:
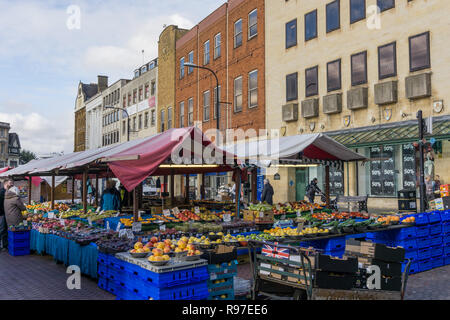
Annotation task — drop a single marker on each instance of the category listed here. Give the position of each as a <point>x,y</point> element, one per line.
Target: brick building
<point>230,41</point>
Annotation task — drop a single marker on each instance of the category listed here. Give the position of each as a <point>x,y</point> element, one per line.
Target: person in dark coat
<point>267,194</point>
<point>6,185</point>
<point>110,198</point>
<point>13,207</point>
<point>312,190</point>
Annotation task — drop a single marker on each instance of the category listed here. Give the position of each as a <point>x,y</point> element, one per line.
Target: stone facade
<point>4,143</point>
<point>374,102</point>
<point>111,118</point>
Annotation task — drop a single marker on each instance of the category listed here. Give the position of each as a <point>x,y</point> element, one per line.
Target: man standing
<point>7,184</point>
<point>312,189</point>
<point>267,194</point>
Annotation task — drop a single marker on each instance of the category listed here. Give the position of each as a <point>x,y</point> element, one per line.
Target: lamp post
<point>128,116</point>
<point>191,65</point>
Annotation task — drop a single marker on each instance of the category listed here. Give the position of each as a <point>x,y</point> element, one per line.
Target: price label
<point>213,276</point>
<point>119,225</point>
<point>299,214</point>
<point>261,214</point>
<point>197,210</point>
<point>278,207</point>
<point>107,225</point>
<point>25,223</point>
<point>176,211</point>
<point>166,213</point>
<point>51,215</point>
<point>162,228</point>
<point>62,221</point>
<point>98,209</point>
<point>139,215</point>
<point>117,215</point>
<point>90,221</point>
<point>136,227</point>
<point>122,233</point>
<point>35,211</point>
<point>130,234</point>
<point>227,217</point>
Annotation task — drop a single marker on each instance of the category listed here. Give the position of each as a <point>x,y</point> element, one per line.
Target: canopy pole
<point>52,192</point>
<point>172,189</point>
<point>29,190</point>
<point>202,187</point>
<point>254,185</point>
<point>238,193</point>
<point>187,189</point>
<point>327,185</point>
<point>73,189</point>
<point>96,190</point>
<point>84,195</point>
<point>135,205</point>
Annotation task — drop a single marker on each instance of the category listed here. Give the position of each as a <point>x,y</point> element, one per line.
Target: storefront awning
<point>393,133</point>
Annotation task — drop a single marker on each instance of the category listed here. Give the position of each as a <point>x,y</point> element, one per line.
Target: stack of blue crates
<point>128,281</point>
<point>19,243</point>
<point>221,280</point>
<point>334,247</point>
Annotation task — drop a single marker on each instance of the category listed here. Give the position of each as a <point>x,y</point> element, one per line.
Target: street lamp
<point>191,65</point>
<point>128,116</point>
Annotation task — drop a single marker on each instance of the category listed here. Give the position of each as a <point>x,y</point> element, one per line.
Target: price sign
<point>119,225</point>
<point>176,211</point>
<point>136,227</point>
<point>166,213</point>
<point>107,225</point>
<point>101,212</point>
<point>98,210</point>
<point>51,215</point>
<point>213,276</point>
<point>130,234</point>
<point>227,217</point>
<point>122,233</point>
<point>197,210</point>
<point>90,221</point>
<point>62,221</point>
<point>299,214</point>
<point>25,223</point>
<point>162,228</point>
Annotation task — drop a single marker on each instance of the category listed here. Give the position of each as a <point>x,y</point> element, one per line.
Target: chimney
<point>102,83</point>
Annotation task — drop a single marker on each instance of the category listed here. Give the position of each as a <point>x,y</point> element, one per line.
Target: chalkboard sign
<point>409,166</point>
<point>382,172</point>
<point>336,181</point>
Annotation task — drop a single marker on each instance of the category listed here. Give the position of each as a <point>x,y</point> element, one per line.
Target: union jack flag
<point>275,252</point>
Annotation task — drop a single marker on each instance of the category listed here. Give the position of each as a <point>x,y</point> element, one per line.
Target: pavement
<point>37,277</point>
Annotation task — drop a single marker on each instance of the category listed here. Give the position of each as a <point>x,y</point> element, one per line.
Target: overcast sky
<point>42,60</point>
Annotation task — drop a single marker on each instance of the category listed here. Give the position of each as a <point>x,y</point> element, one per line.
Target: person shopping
<point>6,185</point>
<point>110,198</point>
<point>13,207</point>
<point>312,190</point>
<point>267,194</point>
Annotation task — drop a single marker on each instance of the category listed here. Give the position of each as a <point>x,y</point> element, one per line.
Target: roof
<point>393,133</point>
<point>89,90</point>
<point>14,137</point>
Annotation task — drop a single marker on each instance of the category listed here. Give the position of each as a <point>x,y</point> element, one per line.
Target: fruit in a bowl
<point>138,245</point>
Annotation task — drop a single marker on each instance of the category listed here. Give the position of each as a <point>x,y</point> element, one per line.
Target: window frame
<point>182,114</point>
<point>215,102</point>
<point>190,113</point>
<point>241,34</point>
<point>250,90</point>
<point>169,118</point>
<point>339,15</point>
<point>380,77</point>
<point>206,106</point>
<point>182,71</point>
<point>316,33</point>
<point>255,24</point>
<point>316,92</point>
<point>428,65</point>
<point>365,13</point>
<point>296,86</point>
<point>146,120</point>
<point>153,118</point>
<point>331,89</point>
<point>378,5</point>
<point>286,34</point>
<point>206,55</point>
<point>217,46</point>
<point>235,95</point>
<point>354,83</point>
<point>191,69</point>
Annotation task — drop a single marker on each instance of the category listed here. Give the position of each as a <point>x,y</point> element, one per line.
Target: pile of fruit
<point>280,232</point>
<point>409,220</point>
<point>389,220</point>
<point>187,215</point>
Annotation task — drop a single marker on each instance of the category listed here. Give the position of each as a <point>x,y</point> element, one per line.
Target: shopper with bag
<point>13,207</point>
<point>7,184</point>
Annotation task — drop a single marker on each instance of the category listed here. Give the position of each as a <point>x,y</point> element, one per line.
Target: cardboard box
<point>249,215</point>
<point>382,252</point>
<point>352,246</point>
<point>439,204</point>
<point>327,280</point>
<point>312,260</point>
<point>276,275</point>
<point>220,254</point>
<point>330,264</point>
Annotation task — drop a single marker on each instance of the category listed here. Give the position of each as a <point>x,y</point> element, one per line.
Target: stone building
<point>4,143</point>
<point>360,76</point>
<point>94,118</point>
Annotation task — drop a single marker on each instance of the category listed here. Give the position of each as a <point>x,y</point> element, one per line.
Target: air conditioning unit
<point>290,112</point>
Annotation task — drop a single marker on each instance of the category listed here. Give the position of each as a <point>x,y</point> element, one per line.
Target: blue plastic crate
<point>222,295</point>
<point>19,244</point>
<point>103,258</point>
<point>422,231</point>
<point>445,216</point>
<point>446,239</point>
<point>447,249</point>
<point>330,244</point>
<point>447,259</point>
<point>437,262</point>
<point>409,245</point>
<point>335,253</point>
<point>422,219</point>
<point>437,251</point>
<point>226,267</point>
<point>435,229</point>
<point>411,255</point>
<point>423,242</point>
<point>446,227</point>
<point>423,254</point>
<point>18,235</point>
<point>402,234</point>
<point>413,268</point>
<point>227,284</point>
<point>435,241</point>
<point>103,283</point>
<point>103,271</point>
<point>194,291</point>
<point>425,265</point>
<point>17,252</point>
<point>434,217</point>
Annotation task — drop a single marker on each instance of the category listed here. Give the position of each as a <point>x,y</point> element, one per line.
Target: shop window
<point>409,167</point>
<point>382,171</point>
<point>336,181</point>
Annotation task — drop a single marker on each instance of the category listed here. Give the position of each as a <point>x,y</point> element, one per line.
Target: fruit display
<point>409,220</point>
<point>389,220</point>
<point>187,215</point>
<point>47,206</point>
<point>280,232</point>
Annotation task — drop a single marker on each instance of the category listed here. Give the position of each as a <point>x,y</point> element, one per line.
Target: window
<point>311,25</point>
<point>134,96</point>
<point>134,124</point>
<point>206,53</point>
<point>191,112</point>
<point>140,122</point>
<point>292,87</point>
<point>215,100</point>
<point>124,101</point>
<point>253,24</point>
<point>182,114</point>
<point>387,61</point>
<point>163,120</point>
<point>333,16</point>
<point>253,89</point>
<point>191,60</point>
<point>129,99</point>
<point>291,34</point>
<point>217,45</point>
<point>169,118</point>
<point>141,94</point>
<point>153,119</point>
<point>334,75</point>
<point>206,105</point>
<point>385,4</point>
<point>147,89</point>
<point>311,82</point>
<point>146,120</point>
<point>153,89</point>
<point>357,10</point>
<point>419,52</point>
<point>359,68</point>
<point>124,127</point>
<point>238,94</point>
<point>182,68</point>
<point>238,33</point>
